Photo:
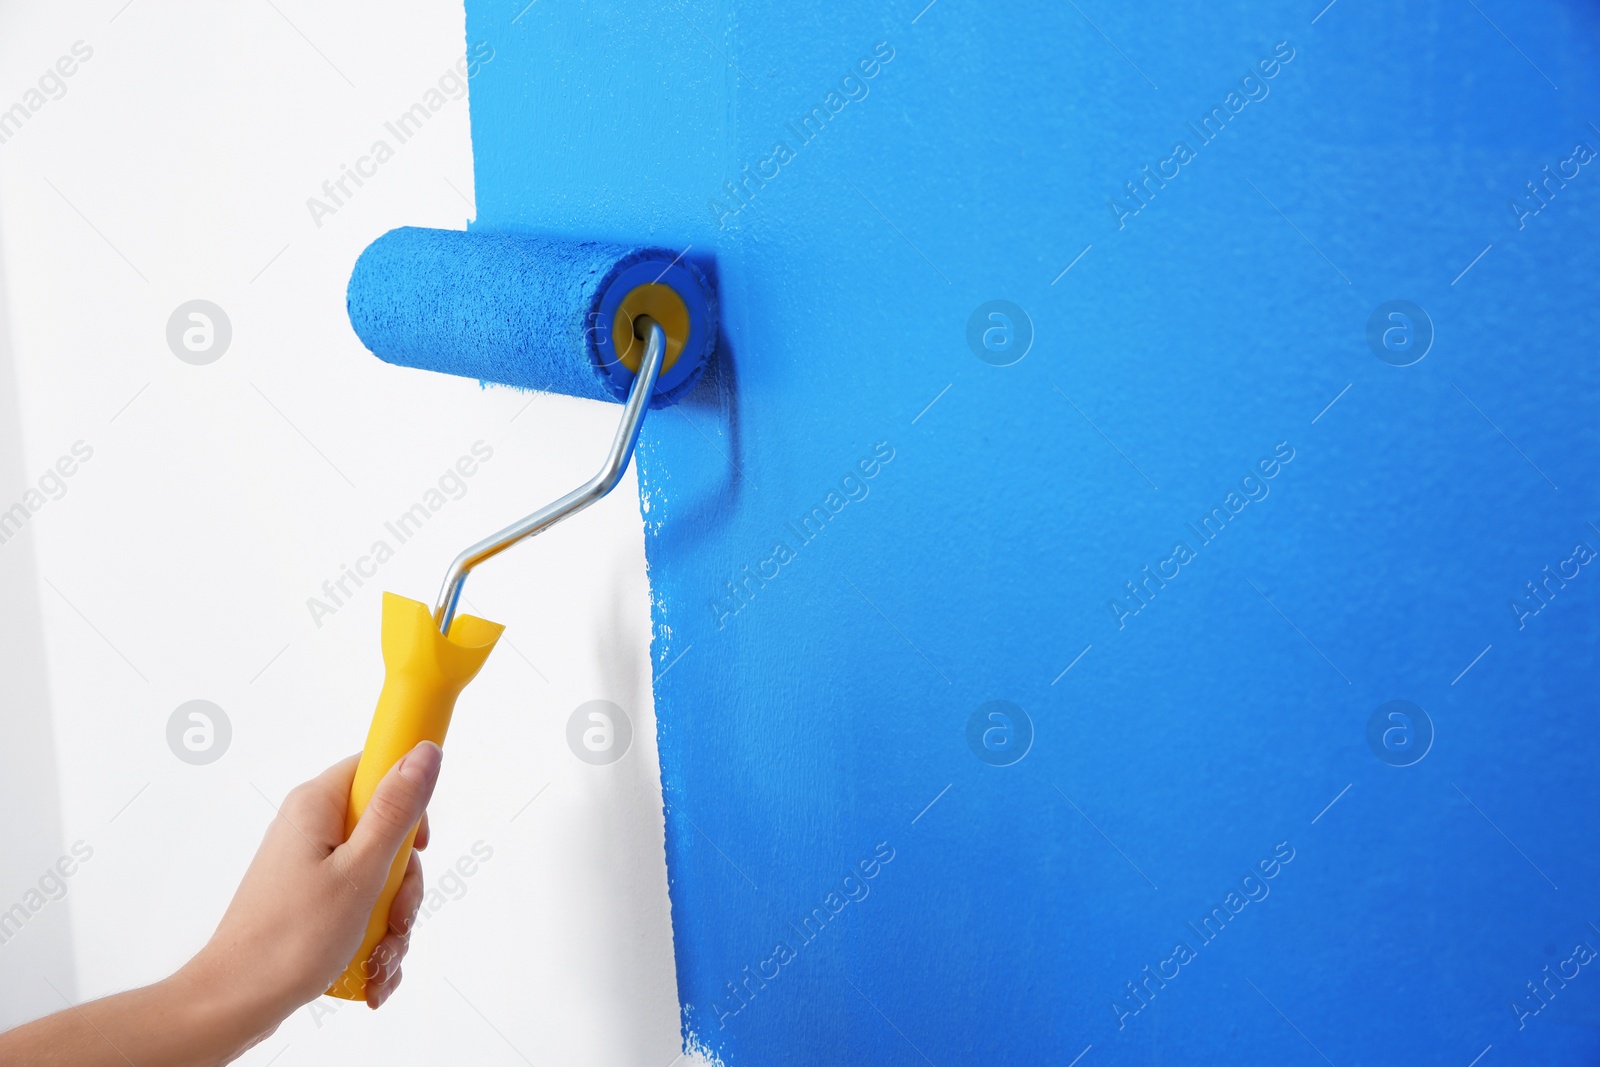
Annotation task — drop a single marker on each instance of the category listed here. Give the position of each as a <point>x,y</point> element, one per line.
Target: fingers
<point>396,806</point>
<point>422,834</point>
<point>316,809</point>
<point>384,964</point>
<point>384,967</point>
<point>338,777</point>
<point>403,912</point>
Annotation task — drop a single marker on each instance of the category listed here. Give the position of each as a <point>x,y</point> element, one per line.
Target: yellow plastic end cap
<point>660,302</point>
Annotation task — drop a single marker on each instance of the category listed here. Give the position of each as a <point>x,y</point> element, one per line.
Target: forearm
<point>291,929</point>
<point>188,1020</point>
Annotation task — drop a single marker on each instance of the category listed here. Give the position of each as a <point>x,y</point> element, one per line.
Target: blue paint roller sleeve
<point>537,312</point>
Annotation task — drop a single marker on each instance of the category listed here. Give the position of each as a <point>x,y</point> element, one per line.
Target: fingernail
<point>421,764</point>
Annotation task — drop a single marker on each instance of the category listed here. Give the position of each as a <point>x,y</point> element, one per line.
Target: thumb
<point>393,812</point>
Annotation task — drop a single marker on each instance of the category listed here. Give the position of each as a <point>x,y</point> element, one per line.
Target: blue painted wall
<point>815,690</point>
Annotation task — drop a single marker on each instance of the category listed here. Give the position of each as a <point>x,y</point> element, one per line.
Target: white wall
<point>178,563</point>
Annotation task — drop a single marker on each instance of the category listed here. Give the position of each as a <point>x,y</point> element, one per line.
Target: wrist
<point>220,1006</point>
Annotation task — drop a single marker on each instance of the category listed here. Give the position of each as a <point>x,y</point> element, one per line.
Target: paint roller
<point>608,322</point>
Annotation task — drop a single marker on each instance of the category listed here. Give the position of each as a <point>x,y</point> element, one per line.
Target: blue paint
<point>658,268</point>
<point>1377,521</point>
<point>520,309</point>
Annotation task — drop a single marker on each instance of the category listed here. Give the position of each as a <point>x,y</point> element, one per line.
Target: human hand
<point>296,920</point>
<point>301,911</point>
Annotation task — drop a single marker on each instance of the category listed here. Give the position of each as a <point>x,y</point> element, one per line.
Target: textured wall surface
<point>1200,535</point>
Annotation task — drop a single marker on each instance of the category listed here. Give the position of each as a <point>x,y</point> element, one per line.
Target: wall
<point>177,565</point>
<point>1208,742</point>
<point>31,841</point>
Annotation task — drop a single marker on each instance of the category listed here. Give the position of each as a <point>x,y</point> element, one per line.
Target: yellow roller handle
<point>424,672</point>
